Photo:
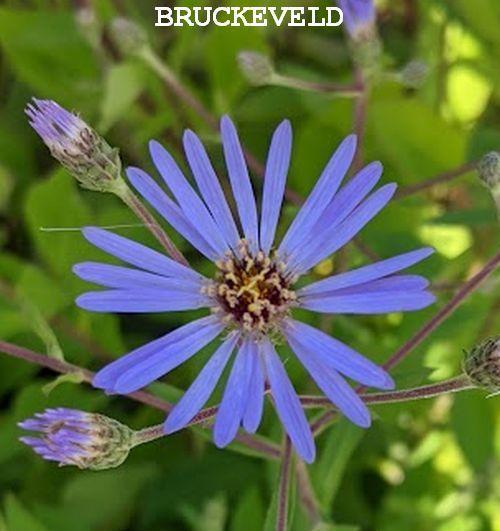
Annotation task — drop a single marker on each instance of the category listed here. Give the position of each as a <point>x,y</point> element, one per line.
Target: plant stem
<point>453,385</point>
<point>346,91</point>
<point>444,312</point>
<point>359,119</point>
<point>151,433</point>
<point>267,449</point>
<point>136,205</point>
<point>178,89</point>
<point>284,487</point>
<point>306,493</point>
<point>446,176</point>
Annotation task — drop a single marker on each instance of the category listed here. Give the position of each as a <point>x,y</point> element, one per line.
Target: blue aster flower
<point>253,293</point>
<point>359,16</point>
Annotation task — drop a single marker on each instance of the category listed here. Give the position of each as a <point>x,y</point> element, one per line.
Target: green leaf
<point>18,518</point>
<point>111,494</point>
<point>473,420</point>
<point>430,145</point>
<point>124,83</point>
<point>55,202</point>
<point>248,514</point>
<point>212,517</point>
<point>70,377</point>
<point>48,52</point>
<point>342,440</point>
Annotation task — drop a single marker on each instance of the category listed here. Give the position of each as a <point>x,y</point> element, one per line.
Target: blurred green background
<point>423,466</point>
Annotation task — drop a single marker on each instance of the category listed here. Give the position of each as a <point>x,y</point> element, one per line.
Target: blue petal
<point>141,301</point>
<point>202,387</point>
<point>255,394</point>
<point>153,360</point>
<point>136,254</point>
<point>336,237</point>
<point>192,206</point>
<point>278,162</point>
<point>112,276</point>
<point>367,273</point>
<point>343,204</point>
<point>392,283</point>
<point>322,194</point>
<point>357,13</point>
<point>240,182</point>
<point>370,302</point>
<point>167,208</point>
<point>232,407</point>
<point>106,377</point>
<point>210,188</point>
<point>335,355</point>
<point>288,405</point>
<point>335,387</point>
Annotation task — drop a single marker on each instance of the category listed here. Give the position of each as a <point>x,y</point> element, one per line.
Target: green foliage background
<point>430,465</point>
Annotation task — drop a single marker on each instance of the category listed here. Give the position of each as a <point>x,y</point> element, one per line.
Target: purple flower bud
<point>76,146</point>
<point>359,17</point>
<point>482,364</point>
<point>85,440</point>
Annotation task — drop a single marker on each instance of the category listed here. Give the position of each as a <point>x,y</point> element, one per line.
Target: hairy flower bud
<point>85,440</point>
<point>256,67</point>
<point>128,36</point>
<point>413,74</point>
<point>76,146</point>
<point>489,169</point>
<point>482,364</point>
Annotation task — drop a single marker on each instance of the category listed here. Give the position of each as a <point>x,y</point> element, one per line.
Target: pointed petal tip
<point>390,188</point>
<point>226,122</point>
<point>221,440</point>
<point>132,172</point>
<point>91,232</point>
<point>189,136</point>
<point>388,384</point>
<point>155,148</point>
<point>285,126</point>
<point>307,454</point>
<point>170,426</point>
<point>80,301</point>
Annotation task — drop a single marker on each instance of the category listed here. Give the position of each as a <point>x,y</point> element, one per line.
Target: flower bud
<point>359,18</point>
<point>85,154</point>
<point>85,440</point>
<point>482,364</point>
<point>256,67</point>
<point>128,36</point>
<point>413,74</point>
<point>489,169</point>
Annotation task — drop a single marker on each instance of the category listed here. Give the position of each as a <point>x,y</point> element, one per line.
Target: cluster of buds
<point>482,364</point>
<point>84,153</point>
<point>86,440</point>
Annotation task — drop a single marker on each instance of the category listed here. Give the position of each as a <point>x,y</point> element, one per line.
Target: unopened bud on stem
<point>482,364</point>
<point>413,74</point>
<point>257,68</point>
<point>489,172</point>
<point>85,154</point>
<point>128,37</point>
<point>85,440</point>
